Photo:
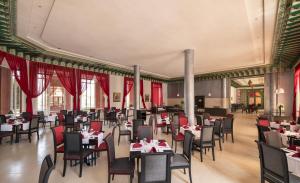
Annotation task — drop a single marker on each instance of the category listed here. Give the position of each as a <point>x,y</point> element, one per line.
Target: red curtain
<point>128,84</point>
<point>39,71</point>
<point>156,94</point>
<point>2,55</point>
<point>296,91</point>
<point>82,75</point>
<point>18,67</point>
<point>67,77</point>
<point>142,92</point>
<point>103,80</point>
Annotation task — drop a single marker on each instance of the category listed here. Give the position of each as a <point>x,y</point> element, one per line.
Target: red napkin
<point>137,145</point>
<point>148,140</point>
<point>153,150</point>
<point>162,144</point>
<point>280,130</point>
<point>129,125</point>
<point>161,140</point>
<point>185,127</point>
<point>129,122</point>
<point>292,147</point>
<point>198,128</point>
<point>293,123</point>
<point>296,155</point>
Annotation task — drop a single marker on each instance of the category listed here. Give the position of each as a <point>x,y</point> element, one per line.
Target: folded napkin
<point>296,155</point>
<point>162,144</point>
<point>185,127</point>
<point>129,125</point>
<point>129,122</point>
<point>153,150</point>
<point>137,145</point>
<point>293,123</point>
<point>148,140</point>
<point>198,128</point>
<point>292,147</point>
<point>280,130</point>
<point>161,140</point>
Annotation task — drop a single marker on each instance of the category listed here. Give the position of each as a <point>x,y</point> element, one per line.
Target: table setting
<point>195,129</point>
<point>147,145</point>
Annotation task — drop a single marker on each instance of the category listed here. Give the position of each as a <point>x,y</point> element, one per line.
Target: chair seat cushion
<point>122,166</point>
<point>179,137</point>
<point>60,149</point>
<point>179,161</point>
<point>101,147</point>
<point>205,144</point>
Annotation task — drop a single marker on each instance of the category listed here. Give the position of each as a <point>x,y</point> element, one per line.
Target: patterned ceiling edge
<point>11,43</point>
<point>286,47</point>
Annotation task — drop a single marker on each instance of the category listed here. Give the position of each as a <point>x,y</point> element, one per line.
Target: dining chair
<point>135,124</point>
<point>117,166</point>
<point>123,132</point>
<point>151,119</point>
<point>26,116</point>
<point>273,165</point>
<point>218,135</point>
<point>73,150</point>
<point>63,112</point>
<point>158,125</point>
<point>261,132</point>
<point>273,138</point>
<point>112,118</point>
<point>145,131</point>
<point>206,141</point>
<point>46,169</point>
<point>98,114</point>
<point>155,168</point>
<point>199,120</point>
<point>41,117</point>
<point>6,134</point>
<point>58,141</point>
<point>33,128</point>
<point>96,126</point>
<point>206,116</point>
<point>183,161</point>
<point>177,137</point>
<point>228,128</point>
<point>183,121</point>
<point>100,147</point>
<point>70,122</point>
<point>125,115</point>
<point>2,119</point>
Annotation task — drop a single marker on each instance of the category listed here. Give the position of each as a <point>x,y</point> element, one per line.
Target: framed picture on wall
<point>147,98</point>
<point>116,97</point>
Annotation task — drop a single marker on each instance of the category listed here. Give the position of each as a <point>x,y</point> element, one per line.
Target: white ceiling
<point>226,34</point>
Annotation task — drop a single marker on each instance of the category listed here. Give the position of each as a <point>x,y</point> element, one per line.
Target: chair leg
<point>213,153</point>
<point>80,171</point>
<point>65,167</point>
<point>11,139</point>
<point>232,137</point>
<point>201,154</point>
<point>220,145</point>
<point>184,171</point>
<point>38,136</point>
<point>29,137</point>
<point>119,140</point>
<point>113,176</point>
<point>172,143</point>
<point>190,174</point>
<point>175,146</point>
<point>55,156</point>
<point>108,178</point>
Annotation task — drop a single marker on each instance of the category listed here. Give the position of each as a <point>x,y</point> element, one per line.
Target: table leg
<point>17,134</point>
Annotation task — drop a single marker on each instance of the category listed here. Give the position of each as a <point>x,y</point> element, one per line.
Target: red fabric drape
<point>128,84</point>
<point>39,71</point>
<point>82,75</point>
<point>142,92</point>
<point>2,55</point>
<point>156,94</point>
<point>67,77</point>
<point>103,80</point>
<point>296,91</point>
<point>18,67</point>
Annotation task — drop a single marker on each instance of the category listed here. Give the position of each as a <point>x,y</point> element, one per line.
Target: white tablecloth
<point>197,133</point>
<point>90,135</point>
<point>284,137</point>
<point>293,164</point>
<point>146,147</point>
<point>6,127</point>
<point>51,118</point>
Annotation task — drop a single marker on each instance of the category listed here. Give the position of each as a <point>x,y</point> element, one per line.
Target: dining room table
<point>15,124</point>
<point>195,129</point>
<point>293,159</point>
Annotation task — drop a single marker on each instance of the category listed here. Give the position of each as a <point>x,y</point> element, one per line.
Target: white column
<point>189,95</point>
<point>136,89</point>
<point>225,95</point>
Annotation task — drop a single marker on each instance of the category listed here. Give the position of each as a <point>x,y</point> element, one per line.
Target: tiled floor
<point>237,162</point>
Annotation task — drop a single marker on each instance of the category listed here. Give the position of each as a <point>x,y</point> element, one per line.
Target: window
<point>41,99</point>
<point>16,96</point>
<point>87,100</point>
